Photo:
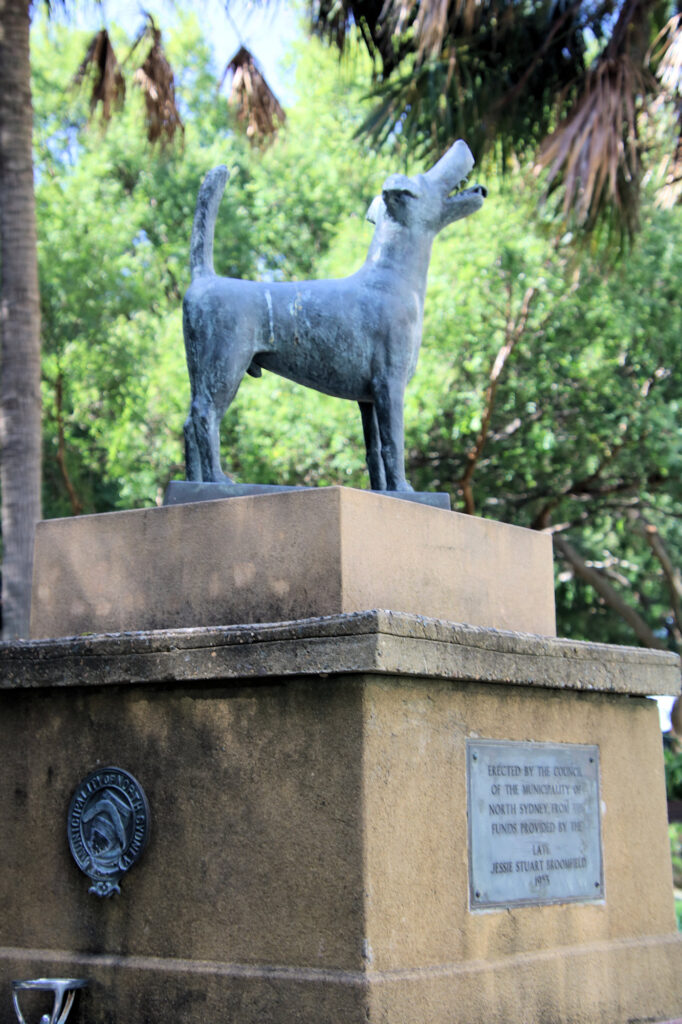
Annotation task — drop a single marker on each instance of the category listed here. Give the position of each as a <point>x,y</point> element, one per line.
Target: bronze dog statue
<point>357,337</point>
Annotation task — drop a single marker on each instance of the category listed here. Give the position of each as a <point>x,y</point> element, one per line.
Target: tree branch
<point>513,333</point>
<point>608,593</point>
<point>672,574</point>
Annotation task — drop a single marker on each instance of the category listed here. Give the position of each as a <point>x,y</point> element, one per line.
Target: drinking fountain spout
<point>64,990</point>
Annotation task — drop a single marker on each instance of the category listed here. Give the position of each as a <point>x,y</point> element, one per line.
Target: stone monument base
<point>309,858</point>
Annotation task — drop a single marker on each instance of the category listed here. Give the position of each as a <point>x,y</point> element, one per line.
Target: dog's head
<point>429,202</point>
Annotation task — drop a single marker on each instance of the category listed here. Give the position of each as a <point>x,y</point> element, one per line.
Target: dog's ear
<point>397,193</point>
<point>373,210</point>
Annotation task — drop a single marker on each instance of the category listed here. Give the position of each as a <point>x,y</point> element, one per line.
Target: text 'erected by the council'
<point>534,834</point>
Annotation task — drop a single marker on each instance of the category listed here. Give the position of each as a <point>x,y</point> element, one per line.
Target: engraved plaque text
<point>534,823</point>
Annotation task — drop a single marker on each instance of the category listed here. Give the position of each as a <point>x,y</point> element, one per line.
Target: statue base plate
<point>180,492</point>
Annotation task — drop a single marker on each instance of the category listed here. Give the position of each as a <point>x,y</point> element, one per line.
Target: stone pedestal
<point>309,858</point>
<point>292,555</point>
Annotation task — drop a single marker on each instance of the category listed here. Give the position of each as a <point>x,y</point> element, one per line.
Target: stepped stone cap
<point>373,641</point>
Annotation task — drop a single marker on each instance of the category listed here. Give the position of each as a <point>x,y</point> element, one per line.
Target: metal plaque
<point>534,823</point>
<point>108,827</point>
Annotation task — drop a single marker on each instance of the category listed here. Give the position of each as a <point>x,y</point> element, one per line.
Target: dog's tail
<point>208,201</point>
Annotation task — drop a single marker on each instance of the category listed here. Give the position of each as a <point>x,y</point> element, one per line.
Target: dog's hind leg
<point>370,430</point>
<point>206,430</point>
<point>213,395</point>
<point>192,459</point>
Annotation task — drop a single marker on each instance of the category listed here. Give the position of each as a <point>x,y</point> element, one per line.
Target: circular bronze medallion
<point>108,826</point>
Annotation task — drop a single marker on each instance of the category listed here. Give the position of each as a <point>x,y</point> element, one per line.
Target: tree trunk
<point>20,428</point>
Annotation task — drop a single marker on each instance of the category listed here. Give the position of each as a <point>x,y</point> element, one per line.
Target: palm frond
<point>100,66</point>
<point>257,107</point>
<point>431,22</point>
<point>595,153</point>
<point>670,192</point>
<point>665,57</point>
<point>506,73</point>
<point>155,78</point>
<point>334,20</point>
<point>493,80</point>
<point>331,20</point>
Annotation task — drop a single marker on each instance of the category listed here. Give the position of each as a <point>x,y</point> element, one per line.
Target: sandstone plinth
<point>293,555</point>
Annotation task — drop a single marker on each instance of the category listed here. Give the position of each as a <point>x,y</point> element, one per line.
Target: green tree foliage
<point>115,218</point>
<point>673,782</point>
<point>546,393</point>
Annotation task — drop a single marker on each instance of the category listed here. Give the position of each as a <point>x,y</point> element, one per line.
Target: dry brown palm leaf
<point>665,56</point>
<point>257,107</point>
<point>100,64</point>
<point>670,192</point>
<point>432,21</point>
<point>430,28</point>
<point>595,152</point>
<point>470,12</point>
<point>155,78</point>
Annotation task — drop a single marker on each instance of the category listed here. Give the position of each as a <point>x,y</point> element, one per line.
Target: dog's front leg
<point>370,430</point>
<point>388,400</point>
<point>192,457</point>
